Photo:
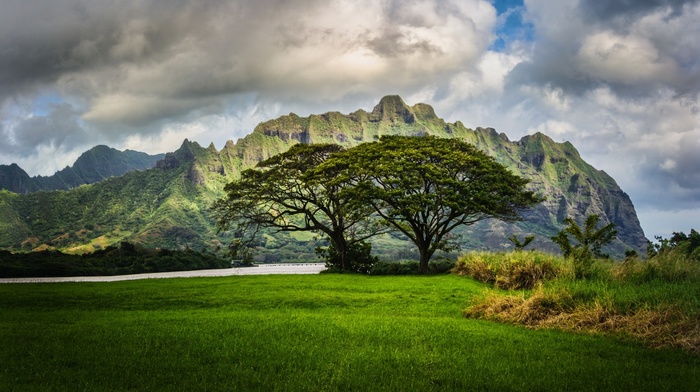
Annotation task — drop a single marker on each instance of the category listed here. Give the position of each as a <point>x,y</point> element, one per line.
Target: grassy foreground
<point>313,332</point>
<point>656,300</point>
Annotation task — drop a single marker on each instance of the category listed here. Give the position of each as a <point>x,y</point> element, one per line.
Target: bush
<point>395,268</point>
<point>359,255</point>
<point>585,243</point>
<point>439,266</point>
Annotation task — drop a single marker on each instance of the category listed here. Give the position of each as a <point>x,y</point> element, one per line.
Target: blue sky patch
<point>511,26</point>
<point>45,103</point>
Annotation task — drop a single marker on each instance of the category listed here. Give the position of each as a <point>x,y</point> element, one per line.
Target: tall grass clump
<point>510,271</point>
<point>669,267</point>
<point>656,300</point>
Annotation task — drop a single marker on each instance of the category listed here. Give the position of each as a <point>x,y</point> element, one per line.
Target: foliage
<point>679,244</point>
<point>286,193</point>
<point>240,253</point>
<point>396,268</point>
<point>669,267</point>
<point>127,258</point>
<point>435,267</point>
<point>519,246</point>
<point>588,242</point>
<point>425,187</point>
<point>359,255</point>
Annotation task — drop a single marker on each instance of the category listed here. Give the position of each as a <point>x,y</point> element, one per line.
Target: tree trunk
<point>342,247</point>
<point>425,256</point>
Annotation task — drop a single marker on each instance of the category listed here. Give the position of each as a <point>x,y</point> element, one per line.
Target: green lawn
<point>302,332</point>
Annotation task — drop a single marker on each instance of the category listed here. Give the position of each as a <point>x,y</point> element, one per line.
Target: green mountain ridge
<point>94,165</point>
<point>168,206</point>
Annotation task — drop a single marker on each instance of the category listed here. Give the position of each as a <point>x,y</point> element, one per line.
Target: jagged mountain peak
<point>173,211</point>
<point>392,108</point>
<point>93,165</point>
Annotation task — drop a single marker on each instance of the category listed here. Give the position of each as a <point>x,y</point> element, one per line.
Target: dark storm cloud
<point>60,126</point>
<point>679,172</point>
<point>629,9</point>
<point>40,41</point>
<point>393,43</point>
<point>671,183</point>
<point>176,52</point>
<point>135,67</point>
<point>632,47</point>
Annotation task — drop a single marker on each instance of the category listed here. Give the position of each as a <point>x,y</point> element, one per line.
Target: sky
<point>619,79</point>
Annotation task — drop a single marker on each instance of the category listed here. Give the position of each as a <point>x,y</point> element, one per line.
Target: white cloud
<point>555,128</point>
<point>628,59</point>
<point>668,165</point>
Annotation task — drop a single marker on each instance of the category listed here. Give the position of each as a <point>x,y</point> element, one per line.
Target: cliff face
<point>13,178</point>
<point>168,206</point>
<point>92,166</point>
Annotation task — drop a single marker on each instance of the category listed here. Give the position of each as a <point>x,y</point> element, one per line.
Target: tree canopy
<point>425,187</point>
<point>286,194</point>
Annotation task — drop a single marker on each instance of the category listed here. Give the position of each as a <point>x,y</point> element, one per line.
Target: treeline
<point>127,258</point>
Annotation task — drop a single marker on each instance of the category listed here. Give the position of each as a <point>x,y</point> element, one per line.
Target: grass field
<point>302,332</point>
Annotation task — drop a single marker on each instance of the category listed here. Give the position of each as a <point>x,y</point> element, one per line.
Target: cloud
<point>626,10</point>
<point>59,126</point>
<point>138,68</point>
<point>150,60</point>
<point>619,79</point>
<point>579,51</point>
<point>628,60</point>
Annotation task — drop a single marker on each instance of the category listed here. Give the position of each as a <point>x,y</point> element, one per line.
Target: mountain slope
<point>92,166</point>
<point>168,205</point>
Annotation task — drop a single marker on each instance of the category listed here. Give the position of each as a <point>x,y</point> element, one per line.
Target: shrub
<point>441,266</point>
<point>395,268</point>
<point>435,267</point>
<point>359,254</point>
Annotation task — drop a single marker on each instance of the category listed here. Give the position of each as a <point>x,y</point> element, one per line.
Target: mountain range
<point>92,166</point>
<point>168,205</point>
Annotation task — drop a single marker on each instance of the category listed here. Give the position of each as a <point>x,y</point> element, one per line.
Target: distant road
<point>263,269</point>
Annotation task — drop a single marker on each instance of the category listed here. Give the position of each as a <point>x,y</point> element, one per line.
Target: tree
<point>687,245</point>
<point>588,242</point>
<point>519,246</point>
<point>286,194</point>
<point>425,187</point>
